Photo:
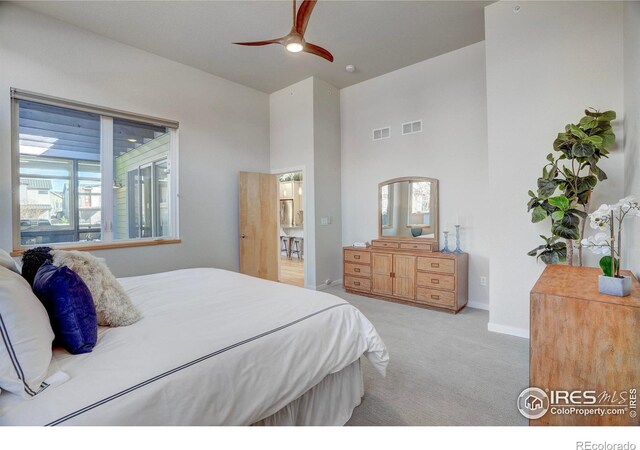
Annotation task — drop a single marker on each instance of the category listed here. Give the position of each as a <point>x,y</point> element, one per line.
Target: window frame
<point>106,154</point>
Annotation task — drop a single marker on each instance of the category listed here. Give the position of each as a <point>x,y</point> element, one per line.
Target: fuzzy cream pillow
<point>113,306</point>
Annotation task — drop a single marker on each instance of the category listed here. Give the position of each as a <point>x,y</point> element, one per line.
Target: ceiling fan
<point>294,41</point>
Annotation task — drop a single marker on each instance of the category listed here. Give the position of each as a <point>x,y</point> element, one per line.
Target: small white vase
<point>620,287</point>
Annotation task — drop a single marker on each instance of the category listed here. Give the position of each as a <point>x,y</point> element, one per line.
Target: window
<point>86,174</point>
<point>420,202</point>
<point>386,203</point>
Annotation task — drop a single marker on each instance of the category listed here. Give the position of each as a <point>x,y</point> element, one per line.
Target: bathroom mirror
<point>408,208</point>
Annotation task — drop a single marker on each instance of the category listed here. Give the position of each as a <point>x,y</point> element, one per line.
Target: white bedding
<point>213,348</point>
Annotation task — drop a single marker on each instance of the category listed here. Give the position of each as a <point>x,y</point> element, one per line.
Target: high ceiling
<point>376,37</point>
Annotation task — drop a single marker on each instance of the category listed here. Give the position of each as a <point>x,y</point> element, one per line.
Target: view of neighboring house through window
<point>141,165</point>
<point>86,177</point>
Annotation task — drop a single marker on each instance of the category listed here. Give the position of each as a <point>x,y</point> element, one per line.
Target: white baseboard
<point>504,329</point>
<point>322,287</point>
<point>478,305</point>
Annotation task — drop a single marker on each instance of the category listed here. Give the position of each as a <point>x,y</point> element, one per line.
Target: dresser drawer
<point>436,280</point>
<point>357,256</point>
<point>359,270</point>
<point>358,284</point>
<point>383,244</point>
<point>412,246</point>
<point>435,297</point>
<point>440,265</point>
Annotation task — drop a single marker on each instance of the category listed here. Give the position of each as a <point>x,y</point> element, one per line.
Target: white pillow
<point>26,337</point>
<point>113,306</point>
<point>7,261</point>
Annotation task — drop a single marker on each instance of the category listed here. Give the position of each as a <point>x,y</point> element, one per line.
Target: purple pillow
<point>70,306</point>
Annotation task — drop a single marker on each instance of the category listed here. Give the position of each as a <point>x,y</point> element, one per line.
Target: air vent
<point>381,133</point>
<point>412,127</point>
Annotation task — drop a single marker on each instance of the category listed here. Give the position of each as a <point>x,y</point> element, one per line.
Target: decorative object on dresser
<point>582,341</point>
<point>608,216</point>
<point>402,265</point>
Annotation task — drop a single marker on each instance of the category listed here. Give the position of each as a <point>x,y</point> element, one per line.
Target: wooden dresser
<point>584,340</point>
<point>407,272</point>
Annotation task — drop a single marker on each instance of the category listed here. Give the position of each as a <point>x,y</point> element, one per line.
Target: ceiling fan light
<point>294,47</point>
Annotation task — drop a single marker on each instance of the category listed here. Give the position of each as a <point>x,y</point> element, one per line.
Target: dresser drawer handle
<point>435,297</point>
<point>356,256</point>
<point>415,246</point>
<point>435,265</point>
<point>356,270</point>
<point>356,283</point>
<point>434,281</point>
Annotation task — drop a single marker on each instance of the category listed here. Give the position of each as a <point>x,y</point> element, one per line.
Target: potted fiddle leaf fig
<point>568,179</point>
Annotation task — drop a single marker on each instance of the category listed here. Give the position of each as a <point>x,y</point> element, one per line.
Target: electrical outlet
<point>483,281</point>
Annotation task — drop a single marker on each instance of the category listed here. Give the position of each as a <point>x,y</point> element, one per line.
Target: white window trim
<point>106,151</point>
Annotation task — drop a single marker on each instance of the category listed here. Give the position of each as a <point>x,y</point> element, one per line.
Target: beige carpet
<point>444,369</point>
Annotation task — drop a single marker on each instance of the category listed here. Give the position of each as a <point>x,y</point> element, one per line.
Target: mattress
<point>214,347</point>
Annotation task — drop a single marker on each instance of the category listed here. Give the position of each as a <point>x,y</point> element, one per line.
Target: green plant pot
<point>620,287</point>
<point>415,232</point>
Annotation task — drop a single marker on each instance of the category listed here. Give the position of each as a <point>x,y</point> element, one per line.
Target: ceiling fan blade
<point>303,15</point>
<point>257,43</point>
<point>319,51</point>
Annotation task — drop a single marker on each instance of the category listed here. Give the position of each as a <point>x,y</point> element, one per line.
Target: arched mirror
<point>408,208</point>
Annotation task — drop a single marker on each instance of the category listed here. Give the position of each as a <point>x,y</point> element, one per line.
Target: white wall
<point>632,128</point>
<point>545,65</point>
<point>448,93</point>
<point>305,134</point>
<point>326,155</point>
<point>224,128</point>
<point>291,137</point>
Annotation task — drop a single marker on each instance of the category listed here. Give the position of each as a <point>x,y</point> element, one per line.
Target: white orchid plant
<point>611,217</point>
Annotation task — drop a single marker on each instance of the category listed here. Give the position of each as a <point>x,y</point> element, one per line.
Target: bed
<point>214,347</point>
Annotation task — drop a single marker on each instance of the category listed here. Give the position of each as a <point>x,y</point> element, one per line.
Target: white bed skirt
<point>330,402</point>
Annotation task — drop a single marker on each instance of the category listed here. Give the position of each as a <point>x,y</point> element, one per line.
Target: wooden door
<point>381,269</point>
<point>404,279</point>
<point>259,237</point>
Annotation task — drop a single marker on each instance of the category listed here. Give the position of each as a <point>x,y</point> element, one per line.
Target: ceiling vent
<point>412,127</point>
<point>381,133</point>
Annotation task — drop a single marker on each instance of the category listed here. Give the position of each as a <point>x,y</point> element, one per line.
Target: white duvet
<point>213,348</point>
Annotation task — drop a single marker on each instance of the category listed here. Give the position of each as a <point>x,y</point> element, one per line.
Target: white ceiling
<point>377,37</point>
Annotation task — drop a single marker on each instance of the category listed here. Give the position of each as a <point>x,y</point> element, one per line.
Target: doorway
<point>291,232</point>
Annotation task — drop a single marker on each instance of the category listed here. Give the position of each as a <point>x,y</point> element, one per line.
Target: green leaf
<point>561,202</point>
<point>582,149</point>
<point>577,132</point>
<point>608,138</point>
<point>588,122</point>
<point>565,232</point>
<point>579,213</point>
<point>606,264</point>
<point>531,194</point>
<point>567,228</point>
<point>598,172</point>
<point>557,215</point>
<point>535,251</point>
<point>608,116</point>
<point>587,183</point>
<point>550,157</point>
<point>539,214</point>
<point>595,140</point>
<point>546,187</point>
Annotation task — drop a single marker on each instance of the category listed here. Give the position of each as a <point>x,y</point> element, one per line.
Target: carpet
<point>444,369</point>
